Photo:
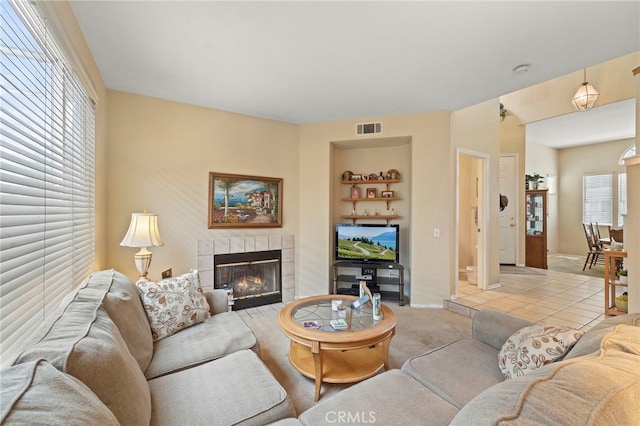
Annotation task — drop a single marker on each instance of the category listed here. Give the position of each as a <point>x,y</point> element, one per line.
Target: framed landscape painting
<point>238,201</point>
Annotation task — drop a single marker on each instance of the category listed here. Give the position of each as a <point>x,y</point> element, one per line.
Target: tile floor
<point>549,297</point>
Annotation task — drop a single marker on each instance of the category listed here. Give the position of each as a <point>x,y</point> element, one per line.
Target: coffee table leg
<point>317,360</point>
<point>384,347</point>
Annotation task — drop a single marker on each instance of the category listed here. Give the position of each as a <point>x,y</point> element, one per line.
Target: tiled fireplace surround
<point>208,249</point>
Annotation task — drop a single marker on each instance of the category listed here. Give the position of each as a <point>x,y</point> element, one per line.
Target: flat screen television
<point>368,242</point>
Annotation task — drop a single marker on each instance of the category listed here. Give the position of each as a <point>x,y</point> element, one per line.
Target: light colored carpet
<point>417,331</point>
<point>573,264</point>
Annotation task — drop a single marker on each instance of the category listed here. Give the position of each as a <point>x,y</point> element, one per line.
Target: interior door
<point>508,216</point>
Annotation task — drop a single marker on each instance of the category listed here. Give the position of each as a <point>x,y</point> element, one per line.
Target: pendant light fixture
<point>586,95</point>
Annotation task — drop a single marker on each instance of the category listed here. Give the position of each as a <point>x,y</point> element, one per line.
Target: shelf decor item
<point>238,201</point>
<point>622,302</point>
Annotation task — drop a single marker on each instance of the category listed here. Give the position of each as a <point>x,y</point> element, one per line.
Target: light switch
<point>436,232</point>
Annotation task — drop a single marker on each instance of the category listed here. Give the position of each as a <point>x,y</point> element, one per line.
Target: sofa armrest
<point>494,327</point>
<point>217,300</point>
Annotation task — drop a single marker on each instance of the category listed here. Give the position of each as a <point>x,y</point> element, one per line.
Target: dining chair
<point>595,249</point>
<point>616,234</point>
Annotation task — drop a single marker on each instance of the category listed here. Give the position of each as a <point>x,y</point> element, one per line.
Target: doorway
<point>472,217</point>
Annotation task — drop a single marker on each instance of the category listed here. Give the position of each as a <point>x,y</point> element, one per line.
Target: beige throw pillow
<point>534,346</point>
<point>173,304</point>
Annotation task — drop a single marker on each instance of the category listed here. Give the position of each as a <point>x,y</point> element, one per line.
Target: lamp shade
<point>143,231</point>
<point>585,97</point>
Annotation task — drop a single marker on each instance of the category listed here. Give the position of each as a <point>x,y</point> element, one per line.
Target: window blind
<point>597,199</point>
<point>622,198</point>
<point>47,156</point>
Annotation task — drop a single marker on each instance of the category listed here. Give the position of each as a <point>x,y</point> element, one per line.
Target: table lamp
<point>143,232</point>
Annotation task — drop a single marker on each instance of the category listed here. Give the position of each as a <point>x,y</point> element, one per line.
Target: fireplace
<point>254,277</point>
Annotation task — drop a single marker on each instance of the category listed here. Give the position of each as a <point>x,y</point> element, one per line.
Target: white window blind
<point>622,197</point>
<point>597,199</point>
<point>46,177</point>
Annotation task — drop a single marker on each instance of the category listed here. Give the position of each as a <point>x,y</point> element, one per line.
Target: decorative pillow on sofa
<point>173,303</point>
<point>534,346</point>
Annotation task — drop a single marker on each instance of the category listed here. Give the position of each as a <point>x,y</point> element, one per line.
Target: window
<point>622,197</point>
<point>628,153</point>
<point>46,176</point>
<point>597,199</point>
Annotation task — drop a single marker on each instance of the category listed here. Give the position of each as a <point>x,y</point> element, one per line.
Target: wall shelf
<point>362,184</point>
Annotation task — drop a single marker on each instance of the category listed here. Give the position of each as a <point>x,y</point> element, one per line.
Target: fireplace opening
<point>254,277</point>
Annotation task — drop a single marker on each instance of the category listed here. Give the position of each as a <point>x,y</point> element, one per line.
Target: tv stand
<point>373,273</point>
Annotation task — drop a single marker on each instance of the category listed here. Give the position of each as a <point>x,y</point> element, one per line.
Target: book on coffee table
<point>338,324</point>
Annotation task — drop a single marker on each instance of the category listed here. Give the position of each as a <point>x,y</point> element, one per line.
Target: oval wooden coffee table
<point>336,356</point>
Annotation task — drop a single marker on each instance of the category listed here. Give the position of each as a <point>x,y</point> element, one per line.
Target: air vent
<point>368,128</point>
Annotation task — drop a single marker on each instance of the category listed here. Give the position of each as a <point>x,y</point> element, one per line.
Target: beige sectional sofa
<point>597,383</point>
<point>96,364</point>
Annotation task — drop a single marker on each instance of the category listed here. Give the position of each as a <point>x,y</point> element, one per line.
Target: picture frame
<point>356,177</point>
<point>372,193</point>
<point>355,192</point>
<point>241,201</point>
<point>387,194</point>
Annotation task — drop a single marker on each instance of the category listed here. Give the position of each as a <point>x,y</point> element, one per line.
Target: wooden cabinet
<point>612,260</point>
<point>360,192</point>
<point>536,228</point>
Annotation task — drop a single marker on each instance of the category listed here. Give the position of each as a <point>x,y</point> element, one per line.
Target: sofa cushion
<point>602,389</point>
<point>31,394</point>
<point>123,305</point>
<point>590,341</point>
<point>390,398</point>
<point>236,389</point>
<point>85,343</point>
<point>457,372</point>
<point>218,336</point>
<point>173,304</point>
<point>534,346</point>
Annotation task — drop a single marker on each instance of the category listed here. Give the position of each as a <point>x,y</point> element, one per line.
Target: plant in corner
<point>623,276</point>
<point>532,180</point>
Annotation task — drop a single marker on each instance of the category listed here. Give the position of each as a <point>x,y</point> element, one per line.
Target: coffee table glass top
<point>318,315</point>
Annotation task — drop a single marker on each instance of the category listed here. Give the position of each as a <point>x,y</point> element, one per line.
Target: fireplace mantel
<point>208,249</point>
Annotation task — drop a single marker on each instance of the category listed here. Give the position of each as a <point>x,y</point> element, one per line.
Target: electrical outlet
<point>167,273</point>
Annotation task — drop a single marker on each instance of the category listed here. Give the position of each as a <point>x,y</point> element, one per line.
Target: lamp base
<point>142,260</point>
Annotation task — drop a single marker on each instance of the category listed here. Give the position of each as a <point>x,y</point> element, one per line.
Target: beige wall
<point>467,203</point>
<point>543,160</point>
<point>428,196</point>
<point>612,79</point>
<point>159,157</point>
<point>574,163</point>
<point>477,129</point>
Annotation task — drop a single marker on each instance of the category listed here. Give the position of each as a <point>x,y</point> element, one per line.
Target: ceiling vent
<point>368,128</point>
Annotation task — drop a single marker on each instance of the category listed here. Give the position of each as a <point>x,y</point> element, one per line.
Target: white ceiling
<point>615,121</point>
<point>316,61</point>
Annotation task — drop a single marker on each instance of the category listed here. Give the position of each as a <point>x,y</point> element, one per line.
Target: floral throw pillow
<point>534,346</point>
<point>173,304</point>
